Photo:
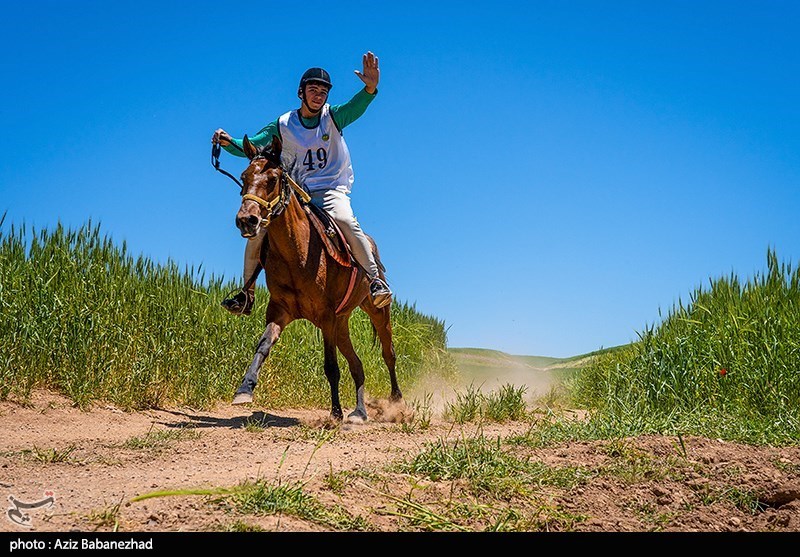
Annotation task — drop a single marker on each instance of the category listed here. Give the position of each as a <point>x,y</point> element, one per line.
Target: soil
<point>91,466</point>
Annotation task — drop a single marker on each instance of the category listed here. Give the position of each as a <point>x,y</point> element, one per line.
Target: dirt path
<point>93,463</point>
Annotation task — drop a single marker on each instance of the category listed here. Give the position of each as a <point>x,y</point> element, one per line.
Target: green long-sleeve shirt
<point>343,115</point>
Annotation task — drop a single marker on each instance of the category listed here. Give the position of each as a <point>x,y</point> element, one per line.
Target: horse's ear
<point>250,150</point>
<point>277,146</point>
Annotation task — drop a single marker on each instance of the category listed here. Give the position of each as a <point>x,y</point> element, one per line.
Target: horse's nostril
<point>253,220</point>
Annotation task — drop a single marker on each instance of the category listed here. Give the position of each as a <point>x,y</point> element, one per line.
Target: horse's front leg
<point>276,322</point>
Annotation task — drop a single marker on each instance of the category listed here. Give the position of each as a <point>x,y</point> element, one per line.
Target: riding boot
<point>242,302</point>
<point>380,293</point>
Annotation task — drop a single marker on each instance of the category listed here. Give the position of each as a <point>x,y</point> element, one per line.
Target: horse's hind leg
<point>382,323</point>
<point>356,369</point>
<point>332,373</point>
<point>276,321</point>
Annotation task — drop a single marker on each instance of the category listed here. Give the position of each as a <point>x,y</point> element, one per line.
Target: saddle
<point>331,235</point>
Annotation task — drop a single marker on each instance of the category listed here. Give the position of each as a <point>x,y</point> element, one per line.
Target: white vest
<point>317,158</point>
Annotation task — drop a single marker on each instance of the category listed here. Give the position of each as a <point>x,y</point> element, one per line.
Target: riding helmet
<point>317,75</point>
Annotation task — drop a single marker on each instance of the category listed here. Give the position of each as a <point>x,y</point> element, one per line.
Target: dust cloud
<point>388,411</point>
<point>435,393</point>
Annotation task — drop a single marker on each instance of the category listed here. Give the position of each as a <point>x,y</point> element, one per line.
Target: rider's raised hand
<point>371,74</point>
<point>222,137</point>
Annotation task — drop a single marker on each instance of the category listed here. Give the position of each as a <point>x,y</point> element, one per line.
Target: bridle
<point>277,205</point>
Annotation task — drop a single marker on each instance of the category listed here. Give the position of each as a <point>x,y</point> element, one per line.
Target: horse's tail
<point>382,274</point>
<point>374,334</point>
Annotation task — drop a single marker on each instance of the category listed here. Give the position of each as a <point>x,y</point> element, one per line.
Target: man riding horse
<point>316,156</point>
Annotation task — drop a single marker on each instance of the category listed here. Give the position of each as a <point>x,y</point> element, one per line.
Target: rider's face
<point>316,95</point>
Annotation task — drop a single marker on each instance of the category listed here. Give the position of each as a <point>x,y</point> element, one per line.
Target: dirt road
<point>94,463</point>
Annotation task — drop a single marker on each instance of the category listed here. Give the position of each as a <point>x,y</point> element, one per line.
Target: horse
<point>306,279</point>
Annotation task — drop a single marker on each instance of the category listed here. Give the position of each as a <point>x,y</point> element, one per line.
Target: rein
<point>215,152</point>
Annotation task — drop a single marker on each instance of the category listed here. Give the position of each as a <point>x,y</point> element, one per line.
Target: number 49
<point>320,162</point>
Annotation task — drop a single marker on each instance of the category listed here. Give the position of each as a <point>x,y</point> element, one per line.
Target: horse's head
<point>265,191</point>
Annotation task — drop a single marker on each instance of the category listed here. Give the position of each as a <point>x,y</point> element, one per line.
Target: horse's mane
<point>271,156</point>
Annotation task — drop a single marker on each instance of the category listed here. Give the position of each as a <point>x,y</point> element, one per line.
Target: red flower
<point>723,372</point>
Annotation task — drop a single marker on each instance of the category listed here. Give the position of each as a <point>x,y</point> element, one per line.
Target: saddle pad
<point>331,234</point>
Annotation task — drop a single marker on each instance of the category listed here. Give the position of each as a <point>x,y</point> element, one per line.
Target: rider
<point>316,156</point>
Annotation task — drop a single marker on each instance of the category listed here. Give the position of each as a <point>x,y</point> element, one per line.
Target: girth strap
<point>350,287</point>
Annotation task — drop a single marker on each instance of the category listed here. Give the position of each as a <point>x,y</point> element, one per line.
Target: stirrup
<point>380,293</point>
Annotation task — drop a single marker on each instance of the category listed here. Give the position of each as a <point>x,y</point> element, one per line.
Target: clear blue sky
<point>543,176</point>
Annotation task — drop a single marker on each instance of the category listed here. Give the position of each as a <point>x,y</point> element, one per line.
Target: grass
<point>488,468</point>
<point>263,498</point>
<point>106,517</point>
<point>478,484</point>
<point>51,456</point>
<point>242,526</point>
<point>326,432</point>
<point>422,415</point>
<point>255,425</point>
<point>789,467</point>
<point>466,407</point>
<point>338,482</point>
<point>648,513</point>
<point>505,404</point>
<point>156,439</point>
<point>632,465</point>
<point>744,500</point>
<point>421,517</point>
<point>722,365</point>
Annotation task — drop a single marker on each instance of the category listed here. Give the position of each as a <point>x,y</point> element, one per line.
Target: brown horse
<point>305,280</point>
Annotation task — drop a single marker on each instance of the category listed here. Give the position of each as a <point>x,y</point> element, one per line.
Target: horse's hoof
<point>242,398</point>
<point>356,417</point>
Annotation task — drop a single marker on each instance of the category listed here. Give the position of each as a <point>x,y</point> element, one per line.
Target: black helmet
<point>317,75</point>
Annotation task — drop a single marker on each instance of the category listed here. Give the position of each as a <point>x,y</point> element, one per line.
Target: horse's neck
<point>289,234</point>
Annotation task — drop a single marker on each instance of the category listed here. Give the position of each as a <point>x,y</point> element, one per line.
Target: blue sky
<point>545,177</point>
